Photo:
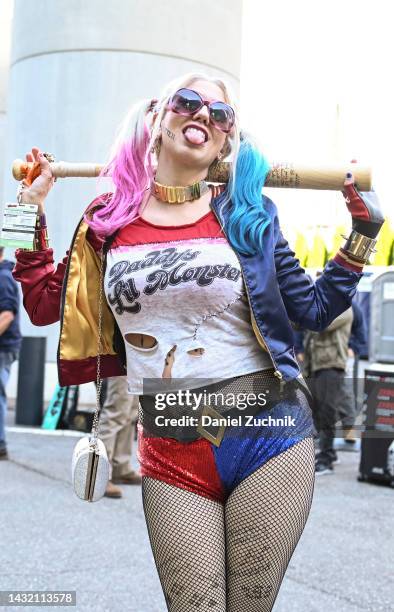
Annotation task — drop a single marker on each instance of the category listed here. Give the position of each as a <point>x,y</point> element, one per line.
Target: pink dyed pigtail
<point>130,167</point>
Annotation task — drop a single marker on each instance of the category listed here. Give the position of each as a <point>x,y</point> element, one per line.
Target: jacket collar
<point>216,202</point>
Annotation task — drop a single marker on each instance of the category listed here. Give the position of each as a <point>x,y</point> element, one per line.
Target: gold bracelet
<point>359,247</point>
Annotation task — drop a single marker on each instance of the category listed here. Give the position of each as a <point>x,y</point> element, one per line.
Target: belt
<point>183,429</point>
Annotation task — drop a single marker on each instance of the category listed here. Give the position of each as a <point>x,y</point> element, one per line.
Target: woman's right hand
<point>42,184</point>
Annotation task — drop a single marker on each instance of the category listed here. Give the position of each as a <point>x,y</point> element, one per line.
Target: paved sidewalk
<point>51,540</point>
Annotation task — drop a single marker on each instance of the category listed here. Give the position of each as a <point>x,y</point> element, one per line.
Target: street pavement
<point>51,540</point>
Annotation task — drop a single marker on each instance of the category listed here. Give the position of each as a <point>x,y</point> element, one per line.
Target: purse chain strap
<point>99,380</point>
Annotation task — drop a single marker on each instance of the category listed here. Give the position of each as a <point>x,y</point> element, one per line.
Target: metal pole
<point>30,393</point>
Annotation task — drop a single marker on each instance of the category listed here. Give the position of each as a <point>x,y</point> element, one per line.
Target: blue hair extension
<point>247,218</point>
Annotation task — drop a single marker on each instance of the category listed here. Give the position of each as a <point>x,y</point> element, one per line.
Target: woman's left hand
<point>364,207</point>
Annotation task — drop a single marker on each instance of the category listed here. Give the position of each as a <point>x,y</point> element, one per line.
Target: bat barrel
<point>301,176</point>
<point>328,177</point>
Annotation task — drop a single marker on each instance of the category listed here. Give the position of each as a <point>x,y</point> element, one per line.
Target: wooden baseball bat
<point>282,174</point>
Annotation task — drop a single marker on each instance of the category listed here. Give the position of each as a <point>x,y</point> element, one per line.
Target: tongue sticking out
<point>194,136</point>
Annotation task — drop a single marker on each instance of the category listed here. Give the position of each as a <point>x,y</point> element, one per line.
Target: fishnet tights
<point>231,557</point>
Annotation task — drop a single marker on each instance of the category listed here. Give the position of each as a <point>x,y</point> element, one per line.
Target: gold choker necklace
<point>178,195</point>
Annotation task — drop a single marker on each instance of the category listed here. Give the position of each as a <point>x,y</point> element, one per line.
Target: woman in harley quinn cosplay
<point>202,292</point>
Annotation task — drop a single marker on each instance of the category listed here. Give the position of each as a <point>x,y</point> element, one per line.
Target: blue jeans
<point>6,360</point>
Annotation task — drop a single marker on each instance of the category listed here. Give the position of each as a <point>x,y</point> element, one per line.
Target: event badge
<point>19,223</point>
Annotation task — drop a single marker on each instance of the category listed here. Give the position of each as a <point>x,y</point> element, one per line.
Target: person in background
<point>118,417</point>
<point>10,337</point>
<point>324,363</point>
<point>347,401</point>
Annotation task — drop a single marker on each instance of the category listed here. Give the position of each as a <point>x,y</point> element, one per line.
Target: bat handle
<point>30,170</point>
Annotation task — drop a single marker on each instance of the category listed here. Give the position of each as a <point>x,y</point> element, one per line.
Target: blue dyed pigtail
<point>247,218</point>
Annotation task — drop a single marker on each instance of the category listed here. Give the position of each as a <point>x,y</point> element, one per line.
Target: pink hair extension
<point>130,168</point>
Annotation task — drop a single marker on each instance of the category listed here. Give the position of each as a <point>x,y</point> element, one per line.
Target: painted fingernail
<point>349,175</point>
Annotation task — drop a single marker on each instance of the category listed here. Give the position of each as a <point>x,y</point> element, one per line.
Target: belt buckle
<point>216,440</point>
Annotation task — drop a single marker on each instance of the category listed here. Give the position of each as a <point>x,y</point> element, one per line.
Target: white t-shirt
<point>187,293</point>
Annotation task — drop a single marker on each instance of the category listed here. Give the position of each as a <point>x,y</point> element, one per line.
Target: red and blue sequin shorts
<point>214,471</point>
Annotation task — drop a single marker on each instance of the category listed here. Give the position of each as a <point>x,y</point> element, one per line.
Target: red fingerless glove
<point>367,218</point>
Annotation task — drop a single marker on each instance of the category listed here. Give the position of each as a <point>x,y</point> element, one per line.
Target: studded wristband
<point>41,242</point>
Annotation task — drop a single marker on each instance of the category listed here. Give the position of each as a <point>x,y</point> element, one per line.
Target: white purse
<point>90,464</point>
<point>90,469</point>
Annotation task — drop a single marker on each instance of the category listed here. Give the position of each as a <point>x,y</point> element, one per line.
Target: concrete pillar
<point>76,67</point>
<point>6,7</point>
